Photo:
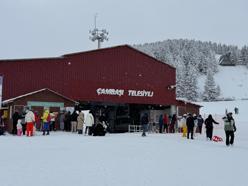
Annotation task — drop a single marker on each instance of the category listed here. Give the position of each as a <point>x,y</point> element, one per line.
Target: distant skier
<point>236,110</point>
<point>209,126</point>
<point>230,128</point>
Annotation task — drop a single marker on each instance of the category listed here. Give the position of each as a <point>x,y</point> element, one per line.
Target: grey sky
<point>47,28</point>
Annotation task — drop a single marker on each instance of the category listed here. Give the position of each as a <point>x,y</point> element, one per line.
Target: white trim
<point>34,92</point>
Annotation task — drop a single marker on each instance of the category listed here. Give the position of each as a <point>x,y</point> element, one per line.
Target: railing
<point>134,128</point>
<point>151,128</point>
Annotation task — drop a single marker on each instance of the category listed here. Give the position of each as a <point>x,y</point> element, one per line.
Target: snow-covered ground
<point>66,159</point>
<point>233,81</point>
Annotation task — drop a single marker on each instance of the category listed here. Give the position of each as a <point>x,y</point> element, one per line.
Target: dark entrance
<point>118,116</point>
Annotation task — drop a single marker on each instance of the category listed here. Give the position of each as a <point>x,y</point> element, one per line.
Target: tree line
<point>194,58</point>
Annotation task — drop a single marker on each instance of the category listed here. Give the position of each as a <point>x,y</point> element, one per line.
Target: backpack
<point>228,125</point>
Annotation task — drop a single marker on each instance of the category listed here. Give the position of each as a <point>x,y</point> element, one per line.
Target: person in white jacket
<point>29,120</point>
<point>89,122</point>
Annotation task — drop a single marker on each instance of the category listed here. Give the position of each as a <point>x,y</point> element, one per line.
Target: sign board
<point>1,90</point>
<point>121,92</point>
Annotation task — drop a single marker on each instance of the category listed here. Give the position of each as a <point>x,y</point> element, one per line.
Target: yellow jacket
<point>45,116</point>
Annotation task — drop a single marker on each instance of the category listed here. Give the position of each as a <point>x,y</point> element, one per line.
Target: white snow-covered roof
<point>188,102</point>
<point>35,92</point>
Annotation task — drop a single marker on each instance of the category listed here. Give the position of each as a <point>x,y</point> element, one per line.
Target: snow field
<point>67,159</point>
<point>121,159</point>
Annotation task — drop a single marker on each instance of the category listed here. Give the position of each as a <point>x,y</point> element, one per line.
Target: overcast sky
<point>50,28</point>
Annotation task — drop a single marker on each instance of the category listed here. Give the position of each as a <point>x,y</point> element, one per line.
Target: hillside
<point>233,82</point>
<point>198,71</point>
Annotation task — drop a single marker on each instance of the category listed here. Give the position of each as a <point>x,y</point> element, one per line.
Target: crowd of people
<point>190,124</point>
<point>28,122</point>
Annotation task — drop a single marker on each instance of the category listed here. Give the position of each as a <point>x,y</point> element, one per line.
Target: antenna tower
<point>97,34</point>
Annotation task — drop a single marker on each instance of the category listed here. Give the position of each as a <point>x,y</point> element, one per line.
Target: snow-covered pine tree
<point>180,81</point>
<point>211,91</point>
<point>244,55</point>
<point>190,82</point>
<point>218,91</point>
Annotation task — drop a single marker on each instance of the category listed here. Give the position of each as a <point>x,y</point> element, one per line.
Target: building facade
<point>118,82</point>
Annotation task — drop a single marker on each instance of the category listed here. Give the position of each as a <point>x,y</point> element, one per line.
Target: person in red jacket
<point>37,120</point>
<point>166,122</point>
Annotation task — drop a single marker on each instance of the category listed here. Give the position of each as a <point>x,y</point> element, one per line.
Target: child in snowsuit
<point>46,120</point>
<point>19,127</point>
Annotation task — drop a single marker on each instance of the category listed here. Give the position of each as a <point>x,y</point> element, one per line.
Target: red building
<point>121,82</point>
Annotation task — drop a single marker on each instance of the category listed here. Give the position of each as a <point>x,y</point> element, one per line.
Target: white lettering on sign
<point>120,92</point>
<point>140,93</point>
<point>114,92</point>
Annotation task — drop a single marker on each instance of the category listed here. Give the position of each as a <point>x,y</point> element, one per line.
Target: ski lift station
<point>119,82</point>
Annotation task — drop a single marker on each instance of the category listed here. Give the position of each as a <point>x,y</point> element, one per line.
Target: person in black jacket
<point>190,126</point>
<point>200,122</point>
<point>209,126</point>
<point>144,123</point>
<point>99,129</point>
<point>67,121</point>
<point>74,116</point>
<point>15,118</point>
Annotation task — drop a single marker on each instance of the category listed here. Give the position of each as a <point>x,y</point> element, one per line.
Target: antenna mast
<point>97,34</point>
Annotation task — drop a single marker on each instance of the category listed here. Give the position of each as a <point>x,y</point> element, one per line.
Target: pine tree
<point>211,91</point>
<point>180,81</point>
<point>244,55</point>
<point>190,83</point>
